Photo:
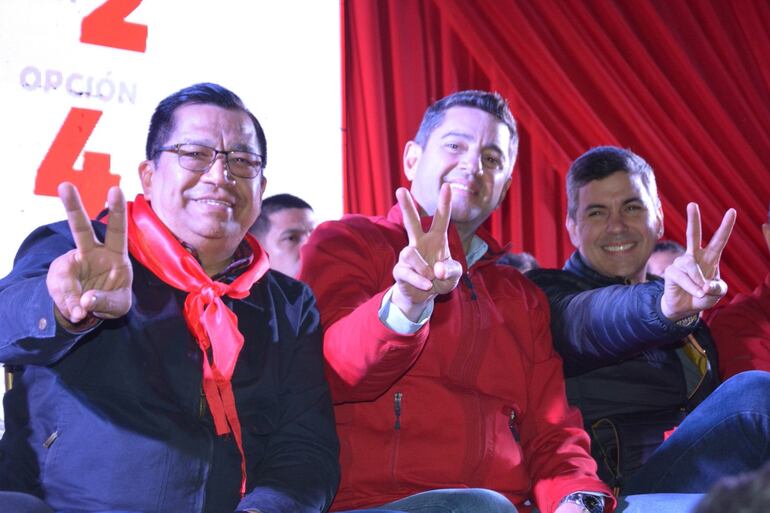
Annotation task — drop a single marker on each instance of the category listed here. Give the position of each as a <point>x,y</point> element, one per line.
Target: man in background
<point>522,261</point>
<point>282,228</point>
<point>748,492</point>
<point>663,254</point>
<point>742,328</point>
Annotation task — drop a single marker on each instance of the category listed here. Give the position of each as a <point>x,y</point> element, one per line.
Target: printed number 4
<point>107,26</point>
<point>94,180</point>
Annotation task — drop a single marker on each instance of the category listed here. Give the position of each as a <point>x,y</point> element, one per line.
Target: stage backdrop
<point>79,80</point>
<point>684,84</point>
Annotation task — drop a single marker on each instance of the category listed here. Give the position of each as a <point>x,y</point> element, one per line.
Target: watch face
<point>593,503</point>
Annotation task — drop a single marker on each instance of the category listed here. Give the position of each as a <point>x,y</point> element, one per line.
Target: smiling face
<point>211,210</point>
<point>616,225</point>
<point>470,150</point>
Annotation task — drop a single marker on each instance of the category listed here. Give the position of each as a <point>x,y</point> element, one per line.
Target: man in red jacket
<point>741,329</point>
<point>449,395</point>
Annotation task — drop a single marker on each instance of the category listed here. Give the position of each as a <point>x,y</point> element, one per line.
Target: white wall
<point>281,56</point>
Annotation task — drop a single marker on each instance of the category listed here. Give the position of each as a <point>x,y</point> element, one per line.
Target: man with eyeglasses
<point>159,365</point>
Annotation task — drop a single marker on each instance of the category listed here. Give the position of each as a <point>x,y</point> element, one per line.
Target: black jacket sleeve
<point>300,471</point>
<point>30,334</point>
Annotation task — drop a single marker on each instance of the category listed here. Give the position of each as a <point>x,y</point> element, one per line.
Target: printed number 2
<point>94,180</point>
<point>107,26</point>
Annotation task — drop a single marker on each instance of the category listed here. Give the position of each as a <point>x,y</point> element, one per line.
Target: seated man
<point>638,360</point>
<point>282,228</point>
<point>449,395</point>
<point>742,329</point>
<point>663,254</point>
<point>158,364</point>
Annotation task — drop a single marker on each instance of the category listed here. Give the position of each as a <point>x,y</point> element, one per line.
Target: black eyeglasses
<point>199,158</point>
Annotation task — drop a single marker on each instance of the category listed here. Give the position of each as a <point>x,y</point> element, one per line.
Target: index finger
<point>80,225</point>
<point>115,239</point>
<point>693,236</point>
<point>443,210</point>
<point>411,217</point>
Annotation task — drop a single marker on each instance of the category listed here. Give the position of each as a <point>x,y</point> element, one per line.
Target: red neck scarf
<point>214,326</point>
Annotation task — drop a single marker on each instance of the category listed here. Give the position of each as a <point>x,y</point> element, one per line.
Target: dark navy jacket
<point>624,361</point>
<point>115,418</point>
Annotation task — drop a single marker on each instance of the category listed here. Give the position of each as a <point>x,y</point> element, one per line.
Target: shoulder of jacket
<point>550,277</point>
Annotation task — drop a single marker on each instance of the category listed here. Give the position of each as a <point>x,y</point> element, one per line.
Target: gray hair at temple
<point>599,163</point>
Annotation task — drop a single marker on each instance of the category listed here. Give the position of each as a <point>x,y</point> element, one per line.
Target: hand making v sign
<point>692,281</point>
<point>92,281</point>
<point>425,268</point>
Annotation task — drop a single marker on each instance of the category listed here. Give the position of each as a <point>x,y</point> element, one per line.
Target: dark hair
<point>273,204</point>
<point>744,493</point>
<point>162,122</point>
<point>522,261</point>
<point>668,245</point>
<point>599,163</point>
<point>491,103</point>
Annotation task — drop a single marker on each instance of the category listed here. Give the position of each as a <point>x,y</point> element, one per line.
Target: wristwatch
<point>687,321</point>
<point>589,502</point>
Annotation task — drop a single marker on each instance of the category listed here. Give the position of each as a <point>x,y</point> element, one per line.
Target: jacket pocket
<point>51,439</point>
<point>512,414</point>
<point>398,400</point>
<point>435,430</point>
<point>104,461</point>
<point>505,469</point>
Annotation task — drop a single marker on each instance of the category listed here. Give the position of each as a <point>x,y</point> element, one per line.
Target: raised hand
<point>94,279</point>
<point>425,268</point>
<point>692,281</point>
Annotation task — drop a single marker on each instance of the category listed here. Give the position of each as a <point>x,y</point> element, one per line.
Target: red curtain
<point>685,84</point>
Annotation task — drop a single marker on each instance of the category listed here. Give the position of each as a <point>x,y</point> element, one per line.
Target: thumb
<point>448,269</point>
<point>715,288</point>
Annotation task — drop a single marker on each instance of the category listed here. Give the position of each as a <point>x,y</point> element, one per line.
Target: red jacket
<point>475,398</point>
<point>741,331</point>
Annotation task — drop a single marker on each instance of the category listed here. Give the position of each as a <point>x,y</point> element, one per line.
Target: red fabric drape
<point>684,84</point>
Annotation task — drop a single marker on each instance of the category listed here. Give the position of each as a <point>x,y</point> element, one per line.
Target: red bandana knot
<point>211,292</point>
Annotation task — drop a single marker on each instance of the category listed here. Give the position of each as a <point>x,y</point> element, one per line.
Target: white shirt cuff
<point>392,317</point>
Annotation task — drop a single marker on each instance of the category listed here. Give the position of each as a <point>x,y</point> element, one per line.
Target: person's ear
<point>262,185</point>
<point>659,220</point>
<point>572,230</point>
<point>412,154</point>
<point>506,186</point>
<point>146,170</point>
